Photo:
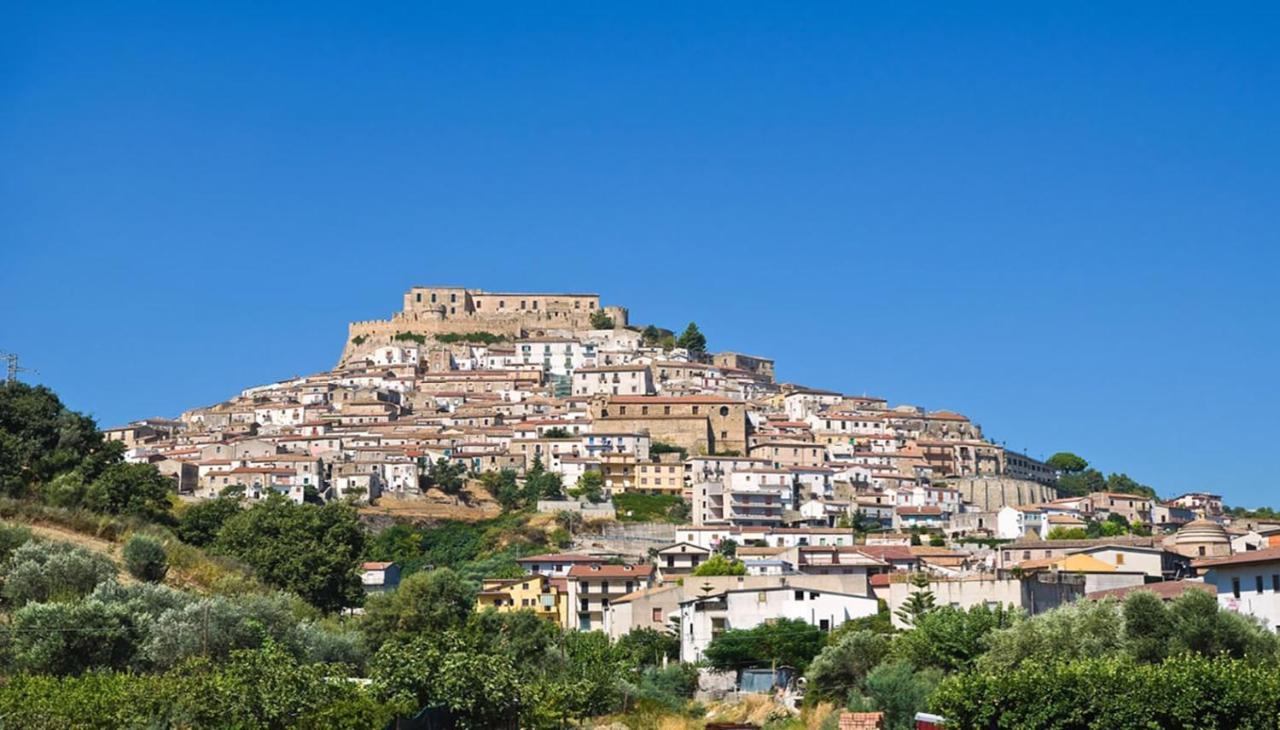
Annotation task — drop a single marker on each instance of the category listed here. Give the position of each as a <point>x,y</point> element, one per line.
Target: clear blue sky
<point>1060,220</point>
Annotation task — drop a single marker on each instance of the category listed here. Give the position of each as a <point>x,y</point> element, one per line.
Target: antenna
<point>12,368</point>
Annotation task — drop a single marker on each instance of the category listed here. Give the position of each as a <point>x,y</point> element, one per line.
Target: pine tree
<point>919,603</point>
<point>692,339</point>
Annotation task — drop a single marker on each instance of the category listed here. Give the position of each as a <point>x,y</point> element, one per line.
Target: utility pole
<point>12,368</point>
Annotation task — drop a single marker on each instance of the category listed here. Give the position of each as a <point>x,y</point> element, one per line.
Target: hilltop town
<point>761,499</point>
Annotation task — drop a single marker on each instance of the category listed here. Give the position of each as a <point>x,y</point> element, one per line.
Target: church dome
<point>1200,532</point>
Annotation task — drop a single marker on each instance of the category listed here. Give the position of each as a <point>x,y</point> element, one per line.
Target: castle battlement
<point>433,310</point>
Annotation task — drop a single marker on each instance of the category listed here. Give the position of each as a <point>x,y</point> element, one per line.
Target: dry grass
<point>434,506</point>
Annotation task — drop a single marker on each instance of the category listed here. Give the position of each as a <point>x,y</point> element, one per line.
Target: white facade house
<point>1014,522</point>
<point>556,355</point>
<point>1247,583</point>
<point>706,617</point>
<point>596,443</point>
<point>632,379</point>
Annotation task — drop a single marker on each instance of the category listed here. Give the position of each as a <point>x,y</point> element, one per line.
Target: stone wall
<point>992,493</point>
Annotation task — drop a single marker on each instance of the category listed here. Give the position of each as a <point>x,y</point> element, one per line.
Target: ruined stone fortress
<point>436,310</point>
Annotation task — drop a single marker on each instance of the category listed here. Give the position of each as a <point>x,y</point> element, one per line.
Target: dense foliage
<point>311,550</point>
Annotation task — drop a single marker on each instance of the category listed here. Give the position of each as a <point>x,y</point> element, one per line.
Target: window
<point>433,297</point>
<point>1026,554</point>
<point>724,410</point>
<point>1201,550</point>
<point>657,615</point>
<point>1119,558</point>
<point>695,410</point>
<point>799,595</point>
<point>1257,584</point>
<point>419,296</point>
<point>1235,587</point>
<point>1275,583</point>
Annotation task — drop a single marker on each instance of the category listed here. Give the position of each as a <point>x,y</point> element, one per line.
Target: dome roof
<point>1201,531</point>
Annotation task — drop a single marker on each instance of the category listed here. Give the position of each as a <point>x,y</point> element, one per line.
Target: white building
<point>556,355</point>
<point>705,617</point>
<point>1247,583</point>
<point>1014,522</point>
<point>631,379</point>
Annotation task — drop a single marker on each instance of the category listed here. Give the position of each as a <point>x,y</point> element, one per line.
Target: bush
<point>1186,691</point>
<point>200,523</point>
<point>12,537</point>
<point>636,507</point>
<point>40,572</point>
<point>845,662</point>
<point>145,559</point>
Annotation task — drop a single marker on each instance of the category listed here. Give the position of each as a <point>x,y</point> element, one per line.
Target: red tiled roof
<point>610,571</point>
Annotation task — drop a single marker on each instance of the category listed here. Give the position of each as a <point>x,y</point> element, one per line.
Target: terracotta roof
<point>611,571</point>
<point>1251,556</point>
<point>693,399</point>
<point>1166,590</point>
<point>561,558</point>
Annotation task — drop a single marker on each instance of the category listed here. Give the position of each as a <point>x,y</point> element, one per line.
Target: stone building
<point>434,310</point>
<point>700,424</point>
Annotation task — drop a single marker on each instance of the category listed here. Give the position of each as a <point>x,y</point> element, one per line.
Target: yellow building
<point>547,597</point>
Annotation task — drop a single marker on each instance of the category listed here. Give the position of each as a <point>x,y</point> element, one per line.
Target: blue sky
<point>1060,221</point>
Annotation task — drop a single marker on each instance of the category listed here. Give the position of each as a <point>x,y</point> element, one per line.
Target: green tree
<point>650,336</point>
<point>41,438</point>
<point>145,558</point>
<point>1147,628</point>
<point>692,339</point>
<point>590,487</point>
<point>919,602</point>
<point>1080,629</point>
<point>214,627</point>
<point>447,476</point>
<point>951,639</point>
<point>1078,484</point>
<point>1067,462</point>
<point>601,321</point>
<point>503,487</point>
<point>200,523</point>
<point>785,642</point>
<point>12,537</point>
<point>1122,484</point>
<point>132,489</point>
<point>442,671</point>
<point>727,547</point>
<point>647,647</point>
<point>40,572</point>
<point>718,564</point>
<point>844,663</point>
<point>311,550</point>
<point>1184,691</point>
<point>71,637</point>
<point>435,601</point>
<point>899,691</point>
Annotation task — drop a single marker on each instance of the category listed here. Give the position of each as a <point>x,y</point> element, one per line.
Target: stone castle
<point>436,310</point>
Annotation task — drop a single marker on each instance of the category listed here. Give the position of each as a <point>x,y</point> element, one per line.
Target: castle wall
<point>452,310</point>
<point>992,493</point>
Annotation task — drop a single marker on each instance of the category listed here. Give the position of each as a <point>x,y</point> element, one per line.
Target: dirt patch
<point>435,506</point>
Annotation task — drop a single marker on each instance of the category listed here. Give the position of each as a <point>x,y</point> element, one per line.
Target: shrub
<point>845,662</point>
<point>12,537</point>
<point>1185,691</point>
<point>145,559</point>
<point>39,572</point>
